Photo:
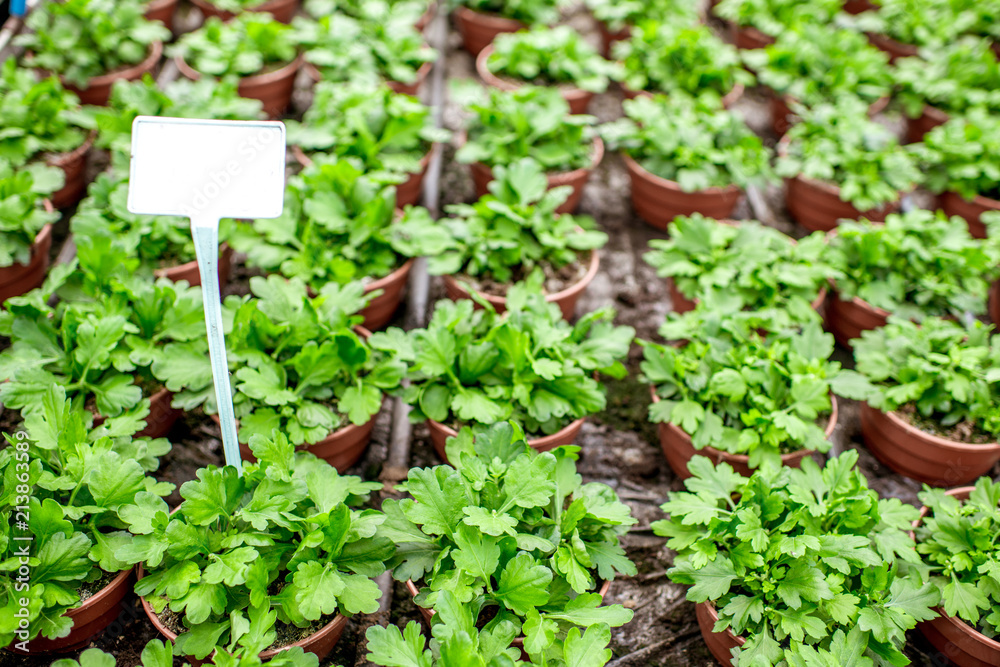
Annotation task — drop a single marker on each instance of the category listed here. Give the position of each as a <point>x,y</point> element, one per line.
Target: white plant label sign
<point>206,170</point>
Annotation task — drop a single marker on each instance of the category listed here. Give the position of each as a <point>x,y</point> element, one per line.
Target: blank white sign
<point>207,169</point>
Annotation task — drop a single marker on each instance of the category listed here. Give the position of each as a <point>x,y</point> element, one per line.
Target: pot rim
<point>633,166</point>
<point>713,614</point>
<point>282,72</point>
<point>727,100</point>
<point>396,274</point>
<point>224,249</point>
<point>554,177</point>
<point>155,51</point>
<point>887,43</point>
<point>979,200</point>
<point>45,233</point>
<point>491,20</point>
<point>934,113</point>
<point>262,7</point>
<point>573,425</point>
<point>153,5</point>
<point>944,443</point>
<point>832,188</point>
<point>101,594</point>
<point>571,92</point>
<point>857,301</point>
<point>62,159</point>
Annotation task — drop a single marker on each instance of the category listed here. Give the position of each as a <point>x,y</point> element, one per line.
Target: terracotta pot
<point>381,309</point>
<point>565,299</point>
<point>896,50</point>
<point>162,11</point>
<point>782,117</point>
<point>847,319</point>
<point>658,200</point>
<point>281,10</point>
<point>89,619</point>
<point>817,205</point>
<point>273,89</point>
<point>954,204</point>
<point>74,168</point>
<point>408,192</point>
<point>426,18</point>
<point>412,88</point>
<point>98,89</point>
<point>320,643</point>
<point>18,279</point>
<point>608,38</point>
<point>922,456</point>
<point>963,645</point>
<point>995,304</point>
<point>478,29</point>
<point>720,644</point>
<point>189,270</point>
<point>930,118</point>
<point>577,99</point>
<point>677,447</point>
<point>748,38</point>
<point>858,6</point>
<point>682,304</point>
<point>565,436</point>
<point>161,416</point>
<point>482,175</point>
<point>728,100</point>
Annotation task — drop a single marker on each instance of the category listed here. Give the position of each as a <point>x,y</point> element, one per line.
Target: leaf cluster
<point>533,122</point>
<point>917,264</point>
<point>773,17</point>
<point>22,215</point>
<point>248,44</point>
<point>81,39</point>
<point>963,155</point>
<point>528,365</point>
<point>368,9</point>
<point>920,23</point>
<point>809,566</point>
<point>527,11</point>
<point>619,14</point>
<point>161,654</point>
<point>953,78</point>
<point>551,56</point>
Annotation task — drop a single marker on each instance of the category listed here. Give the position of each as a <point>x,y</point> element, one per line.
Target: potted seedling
<point>838,163</point>
<point>615,18</point>
<point>543,56</point>
<point>512,233</point>
<point>78,484</point>
<point>26,218</point>
<point>276,557</point>
<point>915,265</point>
<point>390,134</point>
<point>755,264</point>
<point>162,11</point>
<point>527,365</point>
<point>674,58</point>
<point>947,80</point>
<point>90,44</point>
<point>480,21</point>
<point>814,545</point>
<point>525,545</point>
<point>748,400</point>
<point>260,51</point>
<point>418,12</point>
<point>281,10</point>
<point>902,27</point>
<point>43,121</point>
<point>531,122</point>
<point>813,64</point>
<point>684,156</point>
<point>755,23</point>
<point>932,397</point>
<point>956,536</point>
<point>960,164</point>
<point>301,366</point>
<point>161,654</point>
<point>338,226</point>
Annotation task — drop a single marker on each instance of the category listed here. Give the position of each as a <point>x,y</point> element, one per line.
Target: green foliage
<point>281,543</point>
<point>773,17</point>
<point>37,116</point>
<point>711,261</point>
<point>298,364</point>
<point>514,230</point>
<point>917,264</point>
<point>388,133</point>
<point>528,122</point>
<point>920,22</point>
<point>953,78</point>
<point>963,155</point>
<point>515,530</point>
<point>528,365</point>
<point>746,394</point>
<point>948,372</point>
<point>235,6</point>
<point>159,654</point>
<point>958,540</point>
<point>551,56</point>
<point>84,482</point>
<point>22,216</point>
<point>368,9</point>
<point>815,64</point>
<point>677,58</point>
<point>617,14</point>
<point>695,144</point>
<point>81,39</point>
<point>809,566</point>
<point>527,11</point>
<point>840,145</point>
<point>338,225</point>
<point>248,44</point>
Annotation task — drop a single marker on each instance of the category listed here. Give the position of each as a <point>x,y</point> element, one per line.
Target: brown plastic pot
<point>858,6</point>
<point>817,205</point>
<point>479,29</point>
<point>782,117</point>
<point>320,643</point>
<point>18,279</point>
<point>847,319</point>
<point>381,309</point>
<point>682,304</point>
<point>89,619</point>
<point>565,299</point>
<point>929,118</point>
<point>273,89</point>
<point>412,88</point>
<point>608,38</point>
<point>577,99</point>
<point>954,204</point>
<point>577,179</point>
<point>959,642</point>
<point>161,416</point>
<point>407,192</point>
<point>922,456</point>
<point>728,100</point>
<point>720,644</point>
<point>189,270</point>
<point>678,448</point>
<point>564,436</point>
<point>658,200</point>
<point>162,11</point>
<point>426,18</point>
<point>74,168</point>
<point>896,50</point>
<point>341,449</point>
<point>98,89</point>
<point>748,38</point>
<point>994,306</point>
<point>281,10</point>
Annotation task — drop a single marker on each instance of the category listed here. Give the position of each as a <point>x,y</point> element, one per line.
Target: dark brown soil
<point>965,431</point>
<point>556,280</point>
